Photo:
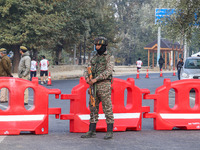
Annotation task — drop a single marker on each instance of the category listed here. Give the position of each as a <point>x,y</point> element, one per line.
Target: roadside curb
<point>118,71</point>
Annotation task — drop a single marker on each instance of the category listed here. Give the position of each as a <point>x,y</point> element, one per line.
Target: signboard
<point>163,12</point>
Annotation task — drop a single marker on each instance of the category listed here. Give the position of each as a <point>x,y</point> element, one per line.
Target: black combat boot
<point>109,133</point>
<point>92,131</point>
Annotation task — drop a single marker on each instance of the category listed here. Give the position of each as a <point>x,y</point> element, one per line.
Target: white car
<point>191,68</point>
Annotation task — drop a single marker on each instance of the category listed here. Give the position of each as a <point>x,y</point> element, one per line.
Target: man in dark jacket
<point>179,66</point>
<point>5,71</point>
<point>161,61</point>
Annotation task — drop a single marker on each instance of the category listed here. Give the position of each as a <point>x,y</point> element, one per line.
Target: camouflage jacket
<point>5,66</point>
<point>102,66</point>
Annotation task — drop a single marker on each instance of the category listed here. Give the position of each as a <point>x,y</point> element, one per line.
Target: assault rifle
<point>91,90</point>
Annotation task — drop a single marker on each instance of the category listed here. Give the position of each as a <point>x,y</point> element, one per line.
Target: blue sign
<point>160,13</point>
<point>196,18</point>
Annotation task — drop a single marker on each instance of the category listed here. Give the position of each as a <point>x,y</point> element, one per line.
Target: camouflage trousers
<point>103,94</point>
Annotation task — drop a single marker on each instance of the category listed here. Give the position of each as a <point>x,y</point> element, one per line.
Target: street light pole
<point>158,48</point>
<point>185,49</point>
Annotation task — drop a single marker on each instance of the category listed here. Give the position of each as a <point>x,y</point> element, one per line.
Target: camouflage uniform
<point>102,68</point>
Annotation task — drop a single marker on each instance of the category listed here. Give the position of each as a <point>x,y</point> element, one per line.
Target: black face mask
<point>101,50</point>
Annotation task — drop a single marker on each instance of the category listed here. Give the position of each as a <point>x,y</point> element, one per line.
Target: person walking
<point>139,63</point>
<point>24,68</point>
<point>44,64</point>
<point>161,61</point>
<point>179,66</point>
<point>5,71</point>
<point>33,68</point>
<point>102,65</point>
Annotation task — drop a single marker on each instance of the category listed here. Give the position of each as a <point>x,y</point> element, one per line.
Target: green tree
<point>136,28</point>
<point>29,23</point>
<point>52,25</point>
<point>184,24</point>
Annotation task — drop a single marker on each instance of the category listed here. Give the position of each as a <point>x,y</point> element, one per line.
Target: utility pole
<point>158,48</point>
<point>185,49</point>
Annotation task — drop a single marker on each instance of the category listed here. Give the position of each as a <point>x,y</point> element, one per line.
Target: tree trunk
<point>84,48</point>
<point>80,59</point>
<point>58,55</point>
<point>16,58</point>
<point>35,54</point>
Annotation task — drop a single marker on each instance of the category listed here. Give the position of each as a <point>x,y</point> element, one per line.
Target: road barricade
<point>126,117</point>
<point>17,118</point>
<point>181,115</point>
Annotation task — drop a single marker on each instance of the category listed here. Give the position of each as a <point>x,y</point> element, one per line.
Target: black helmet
<point>101,41</point>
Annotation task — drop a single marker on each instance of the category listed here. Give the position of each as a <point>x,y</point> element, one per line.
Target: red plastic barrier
<point>17,118</point>
<point>126,118</point>
<point>181,115</point>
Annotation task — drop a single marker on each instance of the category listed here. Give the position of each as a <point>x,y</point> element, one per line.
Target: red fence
<point>126,117</point>
<point>17,118</point>
<point>181,115</point>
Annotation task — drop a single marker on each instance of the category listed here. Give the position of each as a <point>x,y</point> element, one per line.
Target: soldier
<point>5,71</point>
<point>102,65</point>
<point>24,68</point>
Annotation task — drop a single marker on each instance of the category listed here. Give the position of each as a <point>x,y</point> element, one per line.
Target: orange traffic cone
<point>161,75</point>
<point>49,79</point>
<point>174,73</point>
<point>138,75</point>
<point>147,74</point>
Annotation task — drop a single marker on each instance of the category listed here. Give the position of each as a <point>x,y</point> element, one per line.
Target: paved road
<point>146,139</point>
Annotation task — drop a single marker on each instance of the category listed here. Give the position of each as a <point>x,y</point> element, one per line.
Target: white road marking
<point>3,106</point>
<point>192,98</point>
<point>2,138</point>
